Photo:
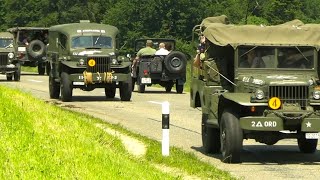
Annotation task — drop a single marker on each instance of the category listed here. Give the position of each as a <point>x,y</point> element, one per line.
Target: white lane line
<point>155,102</point>
<point>37,81</point>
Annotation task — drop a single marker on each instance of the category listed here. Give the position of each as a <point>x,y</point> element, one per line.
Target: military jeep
<point>8,64</point>
<point>165,70</point>
<point>279,99</point>
<point>84,55</point>
<point>30,44</point>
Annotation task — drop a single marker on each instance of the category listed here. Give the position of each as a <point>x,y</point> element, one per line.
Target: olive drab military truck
<point>30,45</point>
<point>8,64</point>
<point>165,70</point>
<point>84,55</point>
<point>257,82</point>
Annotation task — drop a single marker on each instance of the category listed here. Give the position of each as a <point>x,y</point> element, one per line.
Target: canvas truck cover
<point>293,33</point>
<point>6,35</point>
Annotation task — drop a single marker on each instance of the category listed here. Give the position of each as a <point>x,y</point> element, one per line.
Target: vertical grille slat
<point>290,94</point>
<point>3,59</point>
<point>102,64</point>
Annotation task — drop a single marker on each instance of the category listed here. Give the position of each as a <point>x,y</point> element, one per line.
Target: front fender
<point>71,64</point>
<point>242,99</point>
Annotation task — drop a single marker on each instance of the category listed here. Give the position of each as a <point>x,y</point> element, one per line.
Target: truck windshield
<point>280,57</point>
<point>5,42</point>
<point>91,41</point>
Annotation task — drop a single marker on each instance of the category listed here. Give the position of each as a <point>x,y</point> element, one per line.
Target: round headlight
<point>91,62</point>
<point>259,94</point>
<point>81,62</point>
<point>114,61</point>
<point>11,55</point>
<point>316,95</point>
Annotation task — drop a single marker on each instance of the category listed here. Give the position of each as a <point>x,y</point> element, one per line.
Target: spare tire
<point>175,62</point>
<point>36,49</point>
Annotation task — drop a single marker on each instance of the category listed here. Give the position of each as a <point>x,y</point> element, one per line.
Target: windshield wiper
<point>97,39</point>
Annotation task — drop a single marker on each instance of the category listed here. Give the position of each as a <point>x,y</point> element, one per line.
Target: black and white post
<point>165,128</point>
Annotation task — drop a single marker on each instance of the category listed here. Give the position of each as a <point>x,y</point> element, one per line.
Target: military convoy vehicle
<point>165,70</point>
<point>275,97</point>
<point>84,55</point>
<point>8,64</point>
<point>30,44</point>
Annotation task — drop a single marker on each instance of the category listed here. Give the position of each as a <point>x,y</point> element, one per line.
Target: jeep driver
<point>275,96</point>
<point>84,55</point>
<point>8,64</point>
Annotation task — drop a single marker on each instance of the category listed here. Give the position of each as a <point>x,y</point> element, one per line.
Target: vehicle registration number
<point>146,80</point>
<point>312,136</point>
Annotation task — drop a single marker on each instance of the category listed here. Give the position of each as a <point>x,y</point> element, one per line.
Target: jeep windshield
<point>91,42</point>
<point>5,43</point>
<point>294,57</point>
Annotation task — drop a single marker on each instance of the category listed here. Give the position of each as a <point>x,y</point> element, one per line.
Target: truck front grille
<point>3,59</point>
<point>102,64</point>
<point>290,94</point>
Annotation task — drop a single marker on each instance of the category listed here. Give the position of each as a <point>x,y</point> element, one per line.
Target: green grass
<point>42,141</point>
<point>29,69</point>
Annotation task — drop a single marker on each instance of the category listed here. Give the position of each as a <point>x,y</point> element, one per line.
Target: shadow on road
<point>276,154</point>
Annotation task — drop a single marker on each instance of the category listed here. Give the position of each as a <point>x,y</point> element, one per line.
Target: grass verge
<point>29,69</point>
<point>42,141</point>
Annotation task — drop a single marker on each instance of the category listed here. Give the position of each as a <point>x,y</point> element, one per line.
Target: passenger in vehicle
<point>252,61</point>
<point>162,51</point>
<point>293,60</point>
<point>200,52</point>
<point>148,50</point>
<point>24,39</point>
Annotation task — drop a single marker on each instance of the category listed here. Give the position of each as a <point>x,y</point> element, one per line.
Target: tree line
<point>155,18</point>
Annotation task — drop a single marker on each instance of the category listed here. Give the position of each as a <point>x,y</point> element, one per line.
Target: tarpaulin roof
<point>292,33</point>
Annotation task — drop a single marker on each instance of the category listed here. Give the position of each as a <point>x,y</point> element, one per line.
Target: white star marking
<point>308,124</point>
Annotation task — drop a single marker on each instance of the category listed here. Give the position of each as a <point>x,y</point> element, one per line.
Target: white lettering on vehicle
<point>264,124</point>
<point>81,77</point>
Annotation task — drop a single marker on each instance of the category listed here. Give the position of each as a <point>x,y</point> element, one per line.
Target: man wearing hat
<point>148,50</point>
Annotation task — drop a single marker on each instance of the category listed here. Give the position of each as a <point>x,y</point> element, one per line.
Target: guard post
<point>165,128</point>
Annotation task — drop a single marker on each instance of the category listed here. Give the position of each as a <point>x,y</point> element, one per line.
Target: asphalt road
<point>143,115</point>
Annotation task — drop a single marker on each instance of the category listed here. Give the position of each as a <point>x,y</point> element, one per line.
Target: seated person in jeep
<point>148,50</point>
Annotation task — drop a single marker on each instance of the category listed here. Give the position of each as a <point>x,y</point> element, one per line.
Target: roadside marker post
<point>165,128</point>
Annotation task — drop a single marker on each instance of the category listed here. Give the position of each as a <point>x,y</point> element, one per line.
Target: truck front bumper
<point>88,78</point>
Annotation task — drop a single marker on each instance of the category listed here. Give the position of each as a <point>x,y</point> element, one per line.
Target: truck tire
<point>65,87</point>
<point>41,69</point>
<point>54,88</point>
<point>110,91</point>
<point>141,88</point>
<point>231,137</point>
<point>168,86</point>
<point>17,73</point>
<point>133,83</point>
<point>307,145</point>
<point>36,48</point>
<point>175,62</point>
<point>179,88</point>
<point>9,77</point>
<point>210,137</point>
<point>125,90</point>
<point>48,68</point>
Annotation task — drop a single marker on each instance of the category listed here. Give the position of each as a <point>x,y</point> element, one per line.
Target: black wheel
<point>231,137</point>
<point>110,91</point>
<point>179,88</point>
<point>141,88</point>
<point>210,137</point>
<point>133,83</point>
<point>17,73</point>
<point>307,145</point>
<point>36,49</point>
<point>175,62</point>
<point>54,88</point>
<point>169,86</point>
<point>9,77</point>
<point>66,87</point>
<point>41,69</point>
<point>125,90</point>
<point>48,68</point>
